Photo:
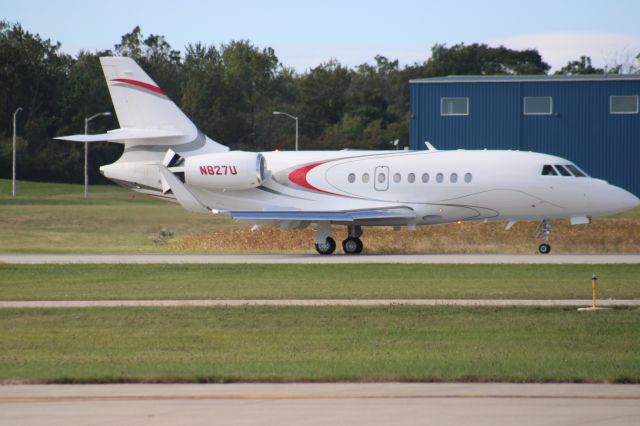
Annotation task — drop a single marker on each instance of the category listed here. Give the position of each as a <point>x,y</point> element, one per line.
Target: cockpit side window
<point>562,170</point>
<point>575,170</point>
<point>548,170</point>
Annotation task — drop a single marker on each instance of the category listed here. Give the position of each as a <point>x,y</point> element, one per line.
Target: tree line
<point>230,91</point>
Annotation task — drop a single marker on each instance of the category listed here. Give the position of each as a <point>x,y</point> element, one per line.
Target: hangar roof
<point>525,78</point>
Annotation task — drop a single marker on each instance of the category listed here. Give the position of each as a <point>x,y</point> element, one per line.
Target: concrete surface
<point>317,302</point>
<point>321,404</point>
<point>315,258</point>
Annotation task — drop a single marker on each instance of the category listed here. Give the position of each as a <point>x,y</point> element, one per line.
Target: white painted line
<point>318,259</point>
<point>317,302</point>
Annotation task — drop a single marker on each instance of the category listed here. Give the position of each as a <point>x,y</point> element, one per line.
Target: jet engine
<point>235,170</point>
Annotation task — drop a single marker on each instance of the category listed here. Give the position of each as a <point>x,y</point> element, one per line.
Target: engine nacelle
<point>225,170</point>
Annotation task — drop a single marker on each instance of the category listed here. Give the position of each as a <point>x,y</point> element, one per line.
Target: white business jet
<point>167,156</point>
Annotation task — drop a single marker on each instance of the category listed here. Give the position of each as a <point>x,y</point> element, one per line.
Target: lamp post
<point>290,116</point>
<point>86,152</point>
<point>13,168</point>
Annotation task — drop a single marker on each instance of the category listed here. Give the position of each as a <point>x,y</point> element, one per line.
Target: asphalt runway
<point>318,259</point>
<point>321,404</point>
<point>316,302</point>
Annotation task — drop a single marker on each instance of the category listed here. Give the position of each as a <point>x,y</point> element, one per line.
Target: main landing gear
<point>327,245</point>
<point>544,231</point>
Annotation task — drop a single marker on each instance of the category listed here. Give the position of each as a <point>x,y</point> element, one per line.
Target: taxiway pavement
<point>316,302</point>
<point>318,259</point>
<point>321,404</point>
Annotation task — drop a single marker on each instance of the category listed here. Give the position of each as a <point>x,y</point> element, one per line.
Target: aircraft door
<point>381,178</point>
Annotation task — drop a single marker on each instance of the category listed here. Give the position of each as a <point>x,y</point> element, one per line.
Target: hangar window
<point>548,170</point>
<point>623,104</point>
<point>538,105</point>
<point>454,106</point>
<point>411,177</point>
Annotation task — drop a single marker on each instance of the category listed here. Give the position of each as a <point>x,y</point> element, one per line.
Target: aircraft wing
<point>320,216</point>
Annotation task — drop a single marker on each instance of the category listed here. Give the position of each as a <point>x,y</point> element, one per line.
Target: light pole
<point>86,151</point>
<point>290,116</point>
<point>13,168</point>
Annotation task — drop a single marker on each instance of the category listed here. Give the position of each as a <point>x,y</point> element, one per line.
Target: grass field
<point>318,344</point>
<point>54,218</point>
<point>367,281</point>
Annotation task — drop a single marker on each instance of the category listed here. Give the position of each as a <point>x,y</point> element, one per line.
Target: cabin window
<point>576,171</point>
<point>411,177</point>
<point>453,178</point>
<point>351,178</point>
<point>365,178</point>
<point>439,177</point>
<point>562,170</point>
<point>397,178</point>
<point>623,104</point>
<point>454,106</point>
<point>425,177</point>
<point>538,105</point>
<point>382,177</point>
<point>548,170</point>
<point>467,177</point>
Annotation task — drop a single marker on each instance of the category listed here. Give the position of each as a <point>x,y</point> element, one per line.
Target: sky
<point>306,34</point>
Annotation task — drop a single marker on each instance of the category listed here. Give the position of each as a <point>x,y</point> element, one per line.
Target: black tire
<point>544,248</point>
<point>352,245</point>
<point>328,247</point>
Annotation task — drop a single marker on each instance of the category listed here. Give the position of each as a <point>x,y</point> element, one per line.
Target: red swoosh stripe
<point>299,177</point>
<point>137,83</point>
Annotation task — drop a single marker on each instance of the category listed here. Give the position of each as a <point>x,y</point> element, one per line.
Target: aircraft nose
<point>618,200</point>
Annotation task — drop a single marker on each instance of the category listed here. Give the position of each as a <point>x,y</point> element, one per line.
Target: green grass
<point>367,281</point>
<point>55,218</point>
<point>319,344</point>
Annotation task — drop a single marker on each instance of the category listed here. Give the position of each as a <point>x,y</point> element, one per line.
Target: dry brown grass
<point>607,235</point>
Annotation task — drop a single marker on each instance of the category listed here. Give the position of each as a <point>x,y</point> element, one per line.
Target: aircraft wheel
<point>328,247</point>
<point>352,245</point>
<point>544,248</point>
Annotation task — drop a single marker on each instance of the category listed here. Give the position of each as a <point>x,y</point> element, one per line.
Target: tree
<point>582,66</point>
<point>480,59</point>
<point>32,71</point>
<point>322,97</point>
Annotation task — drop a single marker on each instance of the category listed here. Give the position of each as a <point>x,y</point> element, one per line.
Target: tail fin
<point>138,101</point>
<point>150,122</point>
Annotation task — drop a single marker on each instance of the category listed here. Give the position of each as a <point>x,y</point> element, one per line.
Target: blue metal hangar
<point>592,120</point>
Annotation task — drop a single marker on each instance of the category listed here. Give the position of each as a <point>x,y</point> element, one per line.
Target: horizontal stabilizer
<point>320,216</point>
<point>120,135</point>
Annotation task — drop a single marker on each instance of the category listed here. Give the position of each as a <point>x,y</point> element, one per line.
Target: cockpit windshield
<point>576,171</point>
<point>562,170</point>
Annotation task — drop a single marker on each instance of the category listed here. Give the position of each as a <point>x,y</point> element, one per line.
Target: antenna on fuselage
<point>429,146</point>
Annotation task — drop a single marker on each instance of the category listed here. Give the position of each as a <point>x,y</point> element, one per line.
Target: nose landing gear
<point>544,231</point>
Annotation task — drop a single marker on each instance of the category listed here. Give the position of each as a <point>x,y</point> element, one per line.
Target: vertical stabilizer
<point>138,100</point>
<point>141,105</point>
